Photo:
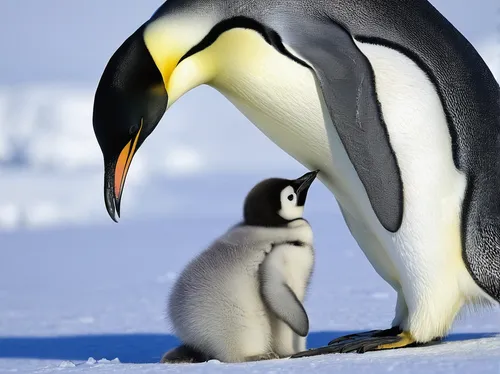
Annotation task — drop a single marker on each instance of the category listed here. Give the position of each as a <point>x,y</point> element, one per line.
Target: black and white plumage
<point>386,97</point>
<point>241,299</point>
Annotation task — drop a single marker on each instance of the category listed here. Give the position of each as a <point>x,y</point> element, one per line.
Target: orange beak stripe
<point>123,163</point>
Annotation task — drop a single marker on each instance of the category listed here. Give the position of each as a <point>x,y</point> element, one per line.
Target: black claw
<point>355,343</point>
<point>354,336</point>
<point>360,345</point>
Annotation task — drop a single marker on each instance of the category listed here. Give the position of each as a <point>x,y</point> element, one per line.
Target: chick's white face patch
<point>289,209</point>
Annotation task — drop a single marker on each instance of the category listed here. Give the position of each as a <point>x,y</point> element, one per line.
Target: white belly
<point>427,249</point>
<point>282,99</point>
<point>295,265</point>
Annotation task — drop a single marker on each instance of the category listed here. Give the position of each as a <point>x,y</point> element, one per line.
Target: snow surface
<point>81,294</point>
<point>99,292</point>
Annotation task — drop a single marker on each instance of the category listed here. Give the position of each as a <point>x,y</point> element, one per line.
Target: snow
<point>80,294</point>
<point>84,294</point>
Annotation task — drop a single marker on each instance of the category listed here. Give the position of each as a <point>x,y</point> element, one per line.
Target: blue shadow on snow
<point>131,348</point>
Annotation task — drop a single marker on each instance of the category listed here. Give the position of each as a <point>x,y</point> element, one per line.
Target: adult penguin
<point>385,97</point>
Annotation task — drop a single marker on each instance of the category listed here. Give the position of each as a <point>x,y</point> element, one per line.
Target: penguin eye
<point>289,209</point>
<point>133,129</point>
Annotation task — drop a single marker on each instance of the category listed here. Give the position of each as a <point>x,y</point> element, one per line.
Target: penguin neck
<point>279,96</point>
<point>278,223</point>
<point>266,223</point>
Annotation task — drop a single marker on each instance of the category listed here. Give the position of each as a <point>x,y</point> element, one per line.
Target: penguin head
<point>141,80</point>
<point>185,44</point>
<point>276,202</point>
<point>129,102</point>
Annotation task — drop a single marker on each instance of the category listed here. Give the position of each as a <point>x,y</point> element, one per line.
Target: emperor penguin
<point>386,97</point>
<point>241,299</point>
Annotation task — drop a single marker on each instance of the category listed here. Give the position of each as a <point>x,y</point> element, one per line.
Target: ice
<point>67,364</point>
<point>106,361</point>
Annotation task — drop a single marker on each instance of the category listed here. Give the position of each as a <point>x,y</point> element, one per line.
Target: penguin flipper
<point>281,299</point>
<point>347,83</point>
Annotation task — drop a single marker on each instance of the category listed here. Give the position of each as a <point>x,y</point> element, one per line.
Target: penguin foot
<point>375,340</point>
<point>183,355</point>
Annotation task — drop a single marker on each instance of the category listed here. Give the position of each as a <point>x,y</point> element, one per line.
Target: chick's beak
<point>304,182</point>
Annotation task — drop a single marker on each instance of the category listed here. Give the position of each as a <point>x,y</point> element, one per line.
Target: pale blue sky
<point>71,41</point>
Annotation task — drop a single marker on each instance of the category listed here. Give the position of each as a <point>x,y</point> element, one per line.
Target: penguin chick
<point>241,299</point>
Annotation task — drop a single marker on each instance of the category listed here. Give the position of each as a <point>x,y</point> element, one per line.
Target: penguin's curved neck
<point>276,224</point>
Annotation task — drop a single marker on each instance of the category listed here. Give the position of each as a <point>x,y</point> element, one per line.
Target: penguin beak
<point>302,184</point>
<point>116,174</point>
<point>129,102</point>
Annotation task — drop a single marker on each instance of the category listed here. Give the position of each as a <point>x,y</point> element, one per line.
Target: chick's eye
<point>290,197</point>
